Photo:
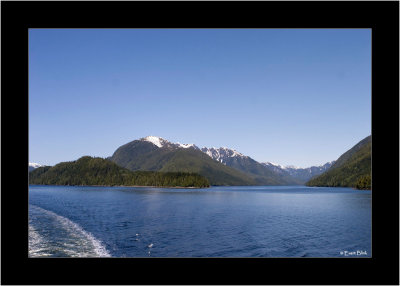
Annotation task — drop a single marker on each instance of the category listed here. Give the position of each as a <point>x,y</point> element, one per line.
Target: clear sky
<point>290,96</point>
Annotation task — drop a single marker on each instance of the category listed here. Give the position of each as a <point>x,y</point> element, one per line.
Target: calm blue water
<point>287,221</point>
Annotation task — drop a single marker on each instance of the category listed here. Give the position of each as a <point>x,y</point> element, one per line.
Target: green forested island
<point>97,171</point>
<point>352,169</point>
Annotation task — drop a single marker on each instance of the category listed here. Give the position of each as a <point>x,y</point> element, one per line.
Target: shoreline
<point>158,187</point>
<point>354,188</point>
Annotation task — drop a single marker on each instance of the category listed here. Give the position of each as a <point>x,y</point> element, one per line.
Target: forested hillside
<point>98,171</point>
<point>352,169</point>
<point>143,155</point>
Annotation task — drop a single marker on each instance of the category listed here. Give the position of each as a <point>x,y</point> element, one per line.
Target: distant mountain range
<point>225,166</point>
<point>352,169</point>
<point>302,175</point>
<point>221,166</point>
<point>157,154</point>
<point>249,166</point>
<point>33,166</point>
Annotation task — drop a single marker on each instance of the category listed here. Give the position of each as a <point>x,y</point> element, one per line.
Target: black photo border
<point>381,17</point>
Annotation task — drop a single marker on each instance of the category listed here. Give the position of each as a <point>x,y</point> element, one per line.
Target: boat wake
<point>52,235</point>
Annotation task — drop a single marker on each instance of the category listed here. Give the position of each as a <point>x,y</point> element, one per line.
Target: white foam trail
<point>36,244</point>
<point>76,230</point>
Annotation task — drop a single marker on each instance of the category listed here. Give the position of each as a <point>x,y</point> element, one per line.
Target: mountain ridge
<point>155,152</point>
<point>351,169</point>
<point>221,166</point>
<point>301,174</point>
<point>32,166</point>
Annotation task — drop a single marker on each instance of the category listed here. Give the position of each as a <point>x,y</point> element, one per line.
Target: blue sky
<point>290,96</point>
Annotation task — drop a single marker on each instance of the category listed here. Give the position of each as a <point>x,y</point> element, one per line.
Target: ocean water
<point>257,221</point>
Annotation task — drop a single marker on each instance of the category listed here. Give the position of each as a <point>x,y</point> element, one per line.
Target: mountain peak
<point>158,141</point>
<point>186,145</point>
<point>161,142</point>
<point>221,154</point>
<point>273,164</point>
<point>233,152</point>
<point>293,167</point>
<point>34,165</point>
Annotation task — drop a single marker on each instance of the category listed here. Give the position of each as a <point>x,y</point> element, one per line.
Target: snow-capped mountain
<point>33,166</point>
<point>279,169</point>
<point>162,143</point>
<point>248,165</point>
<point>231,158</point>
<point>159,142</point>
<point>302,174</point>
<point>221,154</point>
<point>155,153</point>
<point>268,172</point>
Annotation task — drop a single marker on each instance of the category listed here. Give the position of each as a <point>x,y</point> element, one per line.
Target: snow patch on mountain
<point>302,174</point>
<point>34,165</point>
<point>273,164</point>
<point>162,143</point>
<point>158,141</point>
<point>292,167</point>
<point>185,145</point>
<point>221,154</point>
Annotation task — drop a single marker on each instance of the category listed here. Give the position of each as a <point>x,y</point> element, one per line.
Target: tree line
<point>98,171</point>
